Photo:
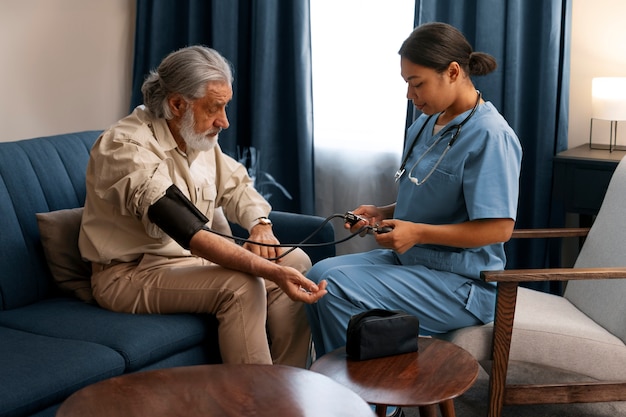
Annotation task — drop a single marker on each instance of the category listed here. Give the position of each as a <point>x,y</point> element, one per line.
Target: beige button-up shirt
<point>131,166</point>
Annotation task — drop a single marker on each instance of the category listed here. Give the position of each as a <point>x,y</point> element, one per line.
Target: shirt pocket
<point>480,300</point>
<point>206,200</point>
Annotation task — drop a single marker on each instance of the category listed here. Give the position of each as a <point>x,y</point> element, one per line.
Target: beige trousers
<point>250,310</point>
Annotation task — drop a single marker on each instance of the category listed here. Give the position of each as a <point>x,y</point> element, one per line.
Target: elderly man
<point>154,181</point>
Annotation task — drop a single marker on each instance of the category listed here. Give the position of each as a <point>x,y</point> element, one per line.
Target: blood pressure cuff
<point>177,216</point>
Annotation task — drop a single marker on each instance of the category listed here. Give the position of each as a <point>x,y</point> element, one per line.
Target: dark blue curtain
<point>531,41</point>
<point>268,43</point>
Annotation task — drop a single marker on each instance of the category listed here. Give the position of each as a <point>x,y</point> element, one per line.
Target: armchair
<point>583,331</point>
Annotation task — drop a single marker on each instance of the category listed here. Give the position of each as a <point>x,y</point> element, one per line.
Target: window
<point>359,97</point>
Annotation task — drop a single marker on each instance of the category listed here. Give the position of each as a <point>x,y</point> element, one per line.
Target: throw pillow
<point>59,236</point>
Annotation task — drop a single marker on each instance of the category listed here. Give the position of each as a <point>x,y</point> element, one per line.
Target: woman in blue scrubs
<point>456,204</point>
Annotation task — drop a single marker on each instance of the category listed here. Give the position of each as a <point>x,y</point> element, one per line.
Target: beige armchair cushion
<point>603,300</point>
<point>551,331</point>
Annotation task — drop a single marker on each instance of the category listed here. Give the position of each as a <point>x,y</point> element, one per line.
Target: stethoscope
<point>455,135</point>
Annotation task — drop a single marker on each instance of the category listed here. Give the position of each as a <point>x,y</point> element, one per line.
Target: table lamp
<point>608,102</point>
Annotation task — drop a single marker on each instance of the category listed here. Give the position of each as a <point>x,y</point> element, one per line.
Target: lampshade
<point>608,98</point>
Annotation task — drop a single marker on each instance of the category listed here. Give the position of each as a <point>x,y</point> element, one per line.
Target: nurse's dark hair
<point>436,45</point>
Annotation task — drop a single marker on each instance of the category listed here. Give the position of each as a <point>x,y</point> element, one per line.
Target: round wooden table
<point>217,390</point>
<point>439,372</point>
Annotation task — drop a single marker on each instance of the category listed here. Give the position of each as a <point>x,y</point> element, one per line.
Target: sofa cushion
<point>59,236</point>
<point>140,339</point>
<point>39,371</point>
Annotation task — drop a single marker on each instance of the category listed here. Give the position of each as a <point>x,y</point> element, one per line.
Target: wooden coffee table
<point>217,390</point>
<point>439,372</point>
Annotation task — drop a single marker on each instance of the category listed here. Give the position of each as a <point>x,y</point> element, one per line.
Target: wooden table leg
<point>428,411</point>
<point>447,408</point>
<point>381,410</point>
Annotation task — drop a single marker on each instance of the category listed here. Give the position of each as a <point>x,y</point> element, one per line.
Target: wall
<point>598,50</point>
<point>66,64</point>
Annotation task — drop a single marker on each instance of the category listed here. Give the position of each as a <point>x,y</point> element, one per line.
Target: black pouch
<point>377,333</point>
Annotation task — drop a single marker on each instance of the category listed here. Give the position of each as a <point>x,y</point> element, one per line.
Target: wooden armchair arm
<point>549,233</point>
<point>552,274</point>
<point>508,283</point>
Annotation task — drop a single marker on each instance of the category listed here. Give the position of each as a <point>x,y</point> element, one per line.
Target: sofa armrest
<point>294,228</point>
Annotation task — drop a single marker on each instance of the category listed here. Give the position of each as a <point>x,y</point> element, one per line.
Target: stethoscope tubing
<point>453,139</point>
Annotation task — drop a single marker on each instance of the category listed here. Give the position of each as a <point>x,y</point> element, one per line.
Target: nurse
<point>456,204</point>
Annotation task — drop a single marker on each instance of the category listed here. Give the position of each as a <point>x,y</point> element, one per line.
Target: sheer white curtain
<point>359,105</point>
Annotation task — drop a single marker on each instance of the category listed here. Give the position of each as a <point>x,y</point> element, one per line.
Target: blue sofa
<point>51,342</point>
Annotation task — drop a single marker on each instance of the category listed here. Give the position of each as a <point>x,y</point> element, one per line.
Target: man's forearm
<point>229,255</point>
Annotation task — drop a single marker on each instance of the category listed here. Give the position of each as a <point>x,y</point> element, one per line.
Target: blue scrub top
<point>477,179</point>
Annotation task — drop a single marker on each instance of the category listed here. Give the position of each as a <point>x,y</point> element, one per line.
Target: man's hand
<point>263,233</point>
<point>230,255</point>
<point>300,288</point>
<point>290,280</point>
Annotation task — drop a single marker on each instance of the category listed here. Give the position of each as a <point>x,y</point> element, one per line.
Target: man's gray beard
<point>193,140</point>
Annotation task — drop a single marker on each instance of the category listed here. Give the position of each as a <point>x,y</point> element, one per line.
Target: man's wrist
<point>261,220</point>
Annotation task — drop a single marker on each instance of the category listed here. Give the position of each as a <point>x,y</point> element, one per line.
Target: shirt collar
<point>163,134</point>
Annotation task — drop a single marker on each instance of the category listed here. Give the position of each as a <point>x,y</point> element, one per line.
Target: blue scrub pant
<point>376,279</point>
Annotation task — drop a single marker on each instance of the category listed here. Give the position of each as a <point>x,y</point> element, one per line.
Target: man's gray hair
<point>186,72</point>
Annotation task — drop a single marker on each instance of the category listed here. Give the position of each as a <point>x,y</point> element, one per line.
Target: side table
<point>439,372</point>
<point>581,177</point>
<point>217,390</point>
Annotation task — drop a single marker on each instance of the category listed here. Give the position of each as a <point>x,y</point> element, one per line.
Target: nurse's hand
<point>470,234</point>
<point>402,236</point>
<point>370,214</point>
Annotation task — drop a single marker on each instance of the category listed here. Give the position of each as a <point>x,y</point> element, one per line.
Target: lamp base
<point>612,146</point>
<point>606,147</point>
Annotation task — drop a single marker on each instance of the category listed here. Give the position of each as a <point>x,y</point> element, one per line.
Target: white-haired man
<point>154,180</point>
